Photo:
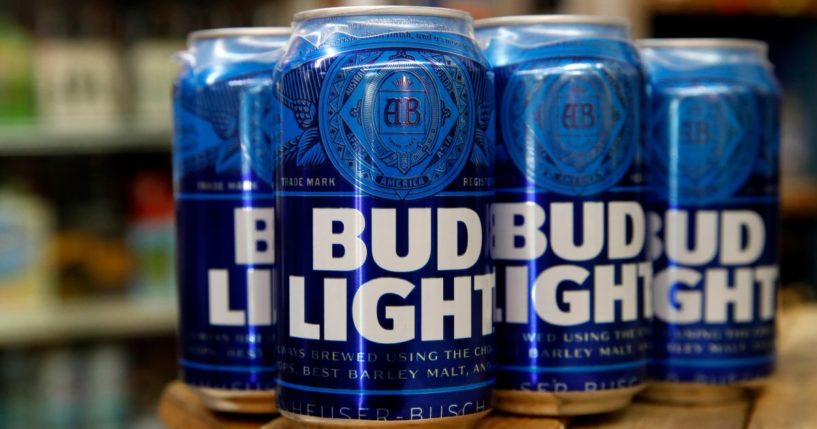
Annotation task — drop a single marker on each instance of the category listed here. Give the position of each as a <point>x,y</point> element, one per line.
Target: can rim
<point>381,10</point>
<point>552,19</point>
<point>705,43</point>
<point>215,33</point>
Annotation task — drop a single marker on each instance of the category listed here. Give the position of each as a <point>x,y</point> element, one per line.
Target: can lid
<point>705,43</point>
<point>381,10</point>
<point>217,33</point>
<point>551,19</point>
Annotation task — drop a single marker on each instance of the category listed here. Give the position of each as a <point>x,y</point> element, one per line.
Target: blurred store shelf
<point>799,197</point>
<point>107,319</point>
<point>33,140</point>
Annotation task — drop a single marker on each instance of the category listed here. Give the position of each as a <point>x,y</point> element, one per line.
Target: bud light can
<point>713,166</point>
<point>222,162</point>
<point>568,225</point>
<point>384,183</point>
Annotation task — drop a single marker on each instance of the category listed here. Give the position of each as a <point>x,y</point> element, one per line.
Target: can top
<point>381,10</point>
<point>511,40</point>
<point>551,19</point>
<point>241,46</point>
<point>706,43</point>
<point>684,60</point>
<point>218,33</point>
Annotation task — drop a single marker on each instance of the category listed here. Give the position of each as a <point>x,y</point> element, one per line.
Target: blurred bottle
<point>18,406</point>
<point>58,385</point>
<point>16,87</point>
<point>149,58</point>
<point>105,375</point>
<point>27,276</point>
<point>93,258</point>
<point>77,69</point>
<point>150,235</point>
<point>152,72</point>
<point>77,84</point>
<point>793,139</point>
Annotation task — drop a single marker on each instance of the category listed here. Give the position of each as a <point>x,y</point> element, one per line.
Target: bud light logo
<point>569,131</point>
<point>712,152</point>
<point>398,124</point>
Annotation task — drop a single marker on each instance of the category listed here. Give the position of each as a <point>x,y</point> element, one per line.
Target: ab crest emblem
<point>715,152</point>
<point>398,124</point>
<point>583,142</point>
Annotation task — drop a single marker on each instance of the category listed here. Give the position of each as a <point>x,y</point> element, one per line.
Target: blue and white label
<point>226,271</point>
<point>571,310</point>
<point>383,193</point>
<point>713,228</point>
<point>223,165</point>
<point>568,229</point>
<point>714,294</point>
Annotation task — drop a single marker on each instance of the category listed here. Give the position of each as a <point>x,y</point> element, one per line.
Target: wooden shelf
<point>787,402</point>
<point>180,407</point>
<point>87,320</point>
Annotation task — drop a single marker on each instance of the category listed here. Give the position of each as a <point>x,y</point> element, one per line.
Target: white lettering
<point>676,233</point>
<point>219,300</point>
<point>516,231</point>
<point>561,231</point>
<point>254,235</point>
<point>298,327</point>
<point>384,240</point>
<point>734,251</point>
<point>435,308</point>
<point>364,311</point>
<point>546,296</point>
<point>448,220</point>
<point>324,239</point>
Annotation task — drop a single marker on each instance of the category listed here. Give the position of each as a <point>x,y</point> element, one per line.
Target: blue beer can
<point>568,229</point>
<point>383,188</point>
<point>713,166</point>
<point>222,165</point>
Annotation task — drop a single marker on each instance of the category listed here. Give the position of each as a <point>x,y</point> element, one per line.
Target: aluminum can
<point>384,181</point>
<point>713,165</point>
<point>568,224</point>
<point>222,164</point>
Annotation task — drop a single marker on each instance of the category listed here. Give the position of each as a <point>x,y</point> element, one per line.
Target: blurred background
<point>87,299</point>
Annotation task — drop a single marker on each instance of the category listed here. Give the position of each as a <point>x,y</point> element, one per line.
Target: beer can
<point>713,166</point>
<point>222,163</point>
<point>568,229</point>
<point>383,185</point>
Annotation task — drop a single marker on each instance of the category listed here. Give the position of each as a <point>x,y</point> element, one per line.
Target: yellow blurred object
<point>27,274</point>
<point>790,7</point>
<point>89,263</point>
<point>16,86</point>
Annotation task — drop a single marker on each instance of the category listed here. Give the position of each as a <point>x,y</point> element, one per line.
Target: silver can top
<point>500,21</point>
<point>381,10</point>
<point>218,33</point>
<point>705,43</point>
